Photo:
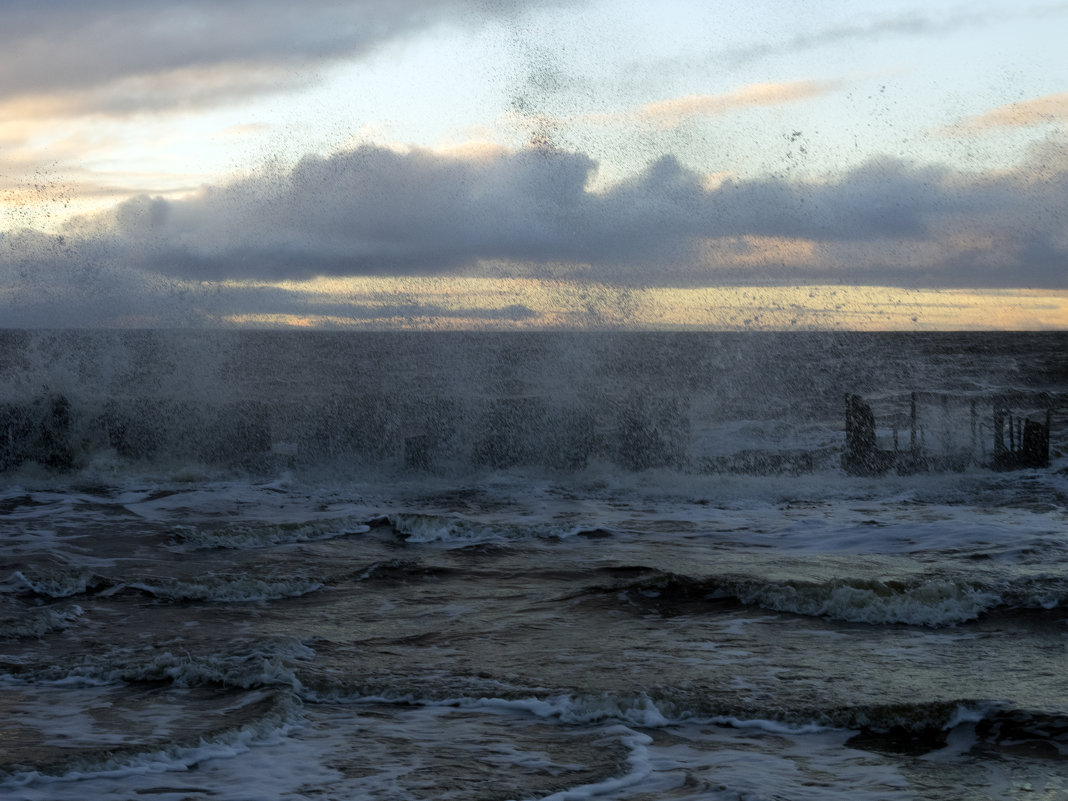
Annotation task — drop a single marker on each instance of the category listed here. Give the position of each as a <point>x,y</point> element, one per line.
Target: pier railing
<point>924,431</point>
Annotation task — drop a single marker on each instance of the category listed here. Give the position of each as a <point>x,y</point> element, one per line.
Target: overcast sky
<point>333,163</point>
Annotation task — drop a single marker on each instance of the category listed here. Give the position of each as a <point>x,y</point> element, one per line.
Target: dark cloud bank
<point>170,51</point>
<point>374,211</point>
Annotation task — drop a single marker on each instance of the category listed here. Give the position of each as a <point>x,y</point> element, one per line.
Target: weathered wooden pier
<point>946,431</point>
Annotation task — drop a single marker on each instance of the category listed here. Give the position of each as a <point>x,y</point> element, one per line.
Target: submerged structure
<point>946,431</point>
<point>38,431</point>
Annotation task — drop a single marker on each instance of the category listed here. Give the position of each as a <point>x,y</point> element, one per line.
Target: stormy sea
<point>336,565</point>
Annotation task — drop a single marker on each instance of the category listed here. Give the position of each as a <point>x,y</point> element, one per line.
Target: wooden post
<point>861,452</point>
<point>975,428</point>
<point>999,433</point>
<point>912,423</point>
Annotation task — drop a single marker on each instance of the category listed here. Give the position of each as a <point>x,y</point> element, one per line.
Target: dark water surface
<point>516,566</point>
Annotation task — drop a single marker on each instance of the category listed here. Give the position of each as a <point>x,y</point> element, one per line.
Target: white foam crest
<point>254,670</point>
<point>57,584</point>
<point>971,713</point>
<point>638,759</point>
<point>770,726</point>
<point>266,666</point>
<point>259,535</point>
<point>283,719</point>
<point>38,622</point>
<point>428,528</point>
<point>228,589</point>
<point>935,602</point>
<point>638,710</point>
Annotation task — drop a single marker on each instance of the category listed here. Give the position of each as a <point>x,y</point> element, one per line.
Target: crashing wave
<point>925,601</point>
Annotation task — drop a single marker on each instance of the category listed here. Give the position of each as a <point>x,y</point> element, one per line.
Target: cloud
<point>676,111</point>
<point>178,89</point>
<point>673,112</point>
<point>372,211</point>
<point>1025,113</point>
<point>116,55</point>
<point>905,24</point>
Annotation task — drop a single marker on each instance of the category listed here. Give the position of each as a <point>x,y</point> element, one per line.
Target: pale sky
<point>496,163</point>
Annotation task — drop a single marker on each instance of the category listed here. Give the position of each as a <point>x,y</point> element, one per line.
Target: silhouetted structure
<point>862,456</point>
<point>1018,442</point>
<point>1028,444</point>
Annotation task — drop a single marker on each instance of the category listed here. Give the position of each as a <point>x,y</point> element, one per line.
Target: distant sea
<point>315,565</point>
